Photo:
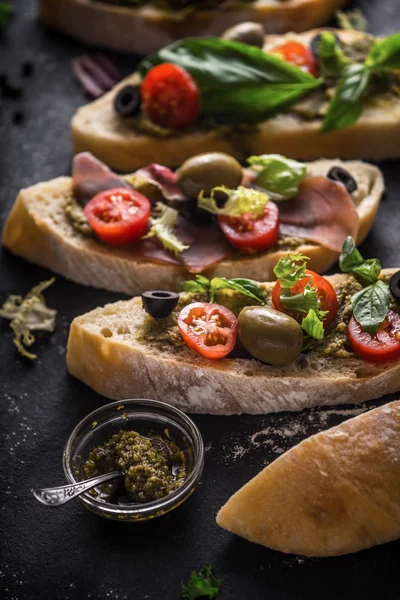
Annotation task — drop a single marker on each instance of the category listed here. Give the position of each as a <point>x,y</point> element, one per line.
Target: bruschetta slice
<point>341,100</point>
<point>146,26</point>
<point>49,225</point>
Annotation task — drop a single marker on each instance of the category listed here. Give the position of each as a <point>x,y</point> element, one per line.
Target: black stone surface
<point>68,553</point>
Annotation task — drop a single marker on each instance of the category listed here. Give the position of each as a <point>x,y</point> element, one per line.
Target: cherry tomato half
<point>118,216</point>
<point>297,54</point>
<point>325,292</point>
<point>208,329</point>
<point>171,97</point>
<point>382,347</point>
<point>249,233</point>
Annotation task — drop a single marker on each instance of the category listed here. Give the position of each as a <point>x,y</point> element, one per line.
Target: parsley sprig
<point>203,585</point>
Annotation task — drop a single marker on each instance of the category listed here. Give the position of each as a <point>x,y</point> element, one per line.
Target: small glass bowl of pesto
<point>158,449</point>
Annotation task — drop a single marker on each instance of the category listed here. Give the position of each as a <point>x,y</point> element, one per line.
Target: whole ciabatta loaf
<point>106,351</point>
<point>37,229</point>
<point>337,492</point>
<point>97,128</point>
<point>147,28</point>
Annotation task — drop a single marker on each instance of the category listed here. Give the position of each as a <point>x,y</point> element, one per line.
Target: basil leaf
<point>279,174</point>
<point>346,105</point>
<point>199,285</point>
<point>385,54</point>
<point>351,261</point>
<point>240,201</point>
<point>331,58</point>
<point>370,306</point>
<point>247,287</point>
<point>312,325</point>
<point>288,272</point>
<point>238,83</point>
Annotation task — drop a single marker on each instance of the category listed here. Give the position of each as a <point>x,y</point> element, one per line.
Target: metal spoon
<point>56,496</point>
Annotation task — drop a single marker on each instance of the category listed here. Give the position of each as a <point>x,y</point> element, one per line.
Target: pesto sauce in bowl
<point>153,466</point>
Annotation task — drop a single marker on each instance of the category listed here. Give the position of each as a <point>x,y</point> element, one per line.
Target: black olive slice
<point>127,101</point>
<point>159,303</point>
<point>316,38</point>
<point>343,176</point>
<point>394,285</point>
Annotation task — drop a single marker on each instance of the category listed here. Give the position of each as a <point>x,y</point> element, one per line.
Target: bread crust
<point>97,129</point>
<point>145,30</point>
<point>38,230</point>
<point>334,493</point>
<point>104,353</point>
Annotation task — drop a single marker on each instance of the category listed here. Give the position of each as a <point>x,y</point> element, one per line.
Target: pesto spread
<point>153,466</point>
<point>75,215</point>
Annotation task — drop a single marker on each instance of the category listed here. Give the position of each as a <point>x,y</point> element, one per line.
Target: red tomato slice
<point>249,233</point>
<point>382,347</point>
<point>118,216</point>
<point>171,97</point>
<point>208,329</point>
<point>297,54</point>
<point>325,292</point>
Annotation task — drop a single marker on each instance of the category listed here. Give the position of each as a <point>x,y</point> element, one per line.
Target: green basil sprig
<point>385,54</point>
<point>278,174</point>
<point>351,261</point>
<point>238,83</point>
<point>247,287</point>
<point>331,58</point>
<point>371,304</point>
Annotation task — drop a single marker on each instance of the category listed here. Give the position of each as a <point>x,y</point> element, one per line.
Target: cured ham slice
<point>322,212</point>
<point>91,176</point>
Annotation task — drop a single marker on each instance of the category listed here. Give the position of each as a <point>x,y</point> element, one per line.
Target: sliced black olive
<point>127,101</point>
<point>316,38</point>
<point>343,176</point>
<point>394,285</point>
<point>159,304</point>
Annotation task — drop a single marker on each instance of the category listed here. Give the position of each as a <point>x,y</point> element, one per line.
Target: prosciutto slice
<point>91,176</point>
<point>165,180</point>
<point>322,212</point>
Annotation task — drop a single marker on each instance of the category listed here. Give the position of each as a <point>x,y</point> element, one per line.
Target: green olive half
<point>248,33</point>
<point>206,171</point>
<point>270,335</point>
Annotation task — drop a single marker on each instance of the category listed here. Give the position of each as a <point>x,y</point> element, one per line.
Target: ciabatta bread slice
<point>38,230</point>
<point>145,29</point>
<point>98,129</point>
<point>334,493</point>
<point>107,351</point>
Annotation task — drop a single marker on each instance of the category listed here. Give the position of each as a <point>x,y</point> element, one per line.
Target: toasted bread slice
<point>145,29</point>
<point>38,230</point>
<point>334,493</point>
<point>107,352</point>
<point>97,128</point>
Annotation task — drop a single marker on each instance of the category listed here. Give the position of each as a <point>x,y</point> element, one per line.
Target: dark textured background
<point>68,553</point>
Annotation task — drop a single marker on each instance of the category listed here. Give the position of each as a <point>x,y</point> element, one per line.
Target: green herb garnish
<point>5,13</point>
<point>290,270</point>
<point>29,314</point>
<point>247,287</point>
<point>240,201</point>
<point>278,174</point>
<point>331,58</point>
<point>352,19</point>
<point>202,585</point>
<point>162,227</point>
<point>238,82</point>
<point>371,304</point>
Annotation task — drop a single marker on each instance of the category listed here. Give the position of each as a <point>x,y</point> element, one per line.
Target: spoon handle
<point>56,496</point>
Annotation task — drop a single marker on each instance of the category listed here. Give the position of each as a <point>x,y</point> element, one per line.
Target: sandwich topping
<point>219,82</point>
<point>302,313</point>
<point>210,208</point>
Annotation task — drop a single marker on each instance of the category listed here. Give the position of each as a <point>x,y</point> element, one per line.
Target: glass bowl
<point>142,416</point>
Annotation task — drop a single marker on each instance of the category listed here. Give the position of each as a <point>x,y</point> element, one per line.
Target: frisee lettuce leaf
<point>290,269</point>
<point>278,174</point>
<point>162,227</point>
<point>240,201</point>
<point>351,261</point>
<point>202,585</point>
<point>29,314</point>
<point>247,287</point>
